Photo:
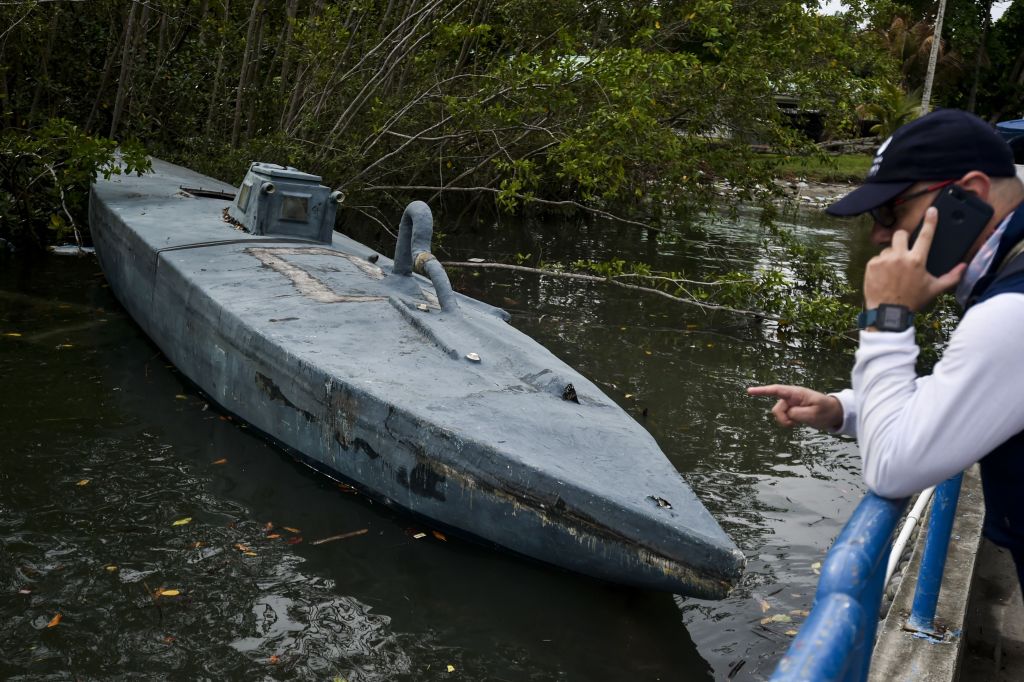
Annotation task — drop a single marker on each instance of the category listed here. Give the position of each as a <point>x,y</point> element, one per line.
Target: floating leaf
<point>816,567</point>
<point>240,547</point>
<point>776,618</point>
<point>182,522</point>
<point>439,535</point>
<point>451,668</point>
<point>273,536</point>
<point>181,397</point>
<point>249,553</point>
<point>62,346</point>
<point>24,590</point>
<point>791,633</point>
<point>628,396</point>
<point>419,536</point>
<point>291,530</point>
<point>222,460</point>
<point>647,352</point>
<point>55,621</point>
<point>765,606</point>
<point>275,658</point>
<point>110,568</point>
<point>14,335</point>
<point>294,541</point>
<point>84,481</point>
<point>800,612</point>
<point>168,593</point>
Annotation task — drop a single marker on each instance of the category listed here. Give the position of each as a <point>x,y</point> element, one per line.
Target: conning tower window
<point>243,195</point>
<point>294,207</point>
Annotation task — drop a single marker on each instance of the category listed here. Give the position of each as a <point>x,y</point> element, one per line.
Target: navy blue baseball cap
<point>943,145</point>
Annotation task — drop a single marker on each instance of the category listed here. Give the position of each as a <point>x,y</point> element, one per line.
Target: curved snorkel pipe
<point>413,253</point>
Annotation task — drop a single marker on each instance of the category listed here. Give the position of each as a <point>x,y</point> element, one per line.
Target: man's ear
<point>977,182</point>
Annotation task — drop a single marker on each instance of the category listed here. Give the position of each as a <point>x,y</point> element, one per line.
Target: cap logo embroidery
<point>876,164</point>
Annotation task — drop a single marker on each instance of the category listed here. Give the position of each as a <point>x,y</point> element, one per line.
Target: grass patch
<point>838,168</point>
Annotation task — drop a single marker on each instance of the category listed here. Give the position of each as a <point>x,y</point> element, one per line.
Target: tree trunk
<point>254,64</point>
<point>291,12</point>
<point>44,58</point>
<point>122,79</point>
<point>204,8</point>
<point>933,59</point>
<point>299,90</point>
<point>218,75</point>
<point>244,71</point>
<point>986,23</point>
<point>5,95</point>
<point>108,67</point>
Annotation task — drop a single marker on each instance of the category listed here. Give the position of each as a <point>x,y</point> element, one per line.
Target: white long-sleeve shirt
<point>915,432</point>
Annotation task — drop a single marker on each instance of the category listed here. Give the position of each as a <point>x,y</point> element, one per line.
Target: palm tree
<point>892,110</point>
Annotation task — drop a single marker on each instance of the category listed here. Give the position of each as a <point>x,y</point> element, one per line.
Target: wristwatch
<point>886,318</point>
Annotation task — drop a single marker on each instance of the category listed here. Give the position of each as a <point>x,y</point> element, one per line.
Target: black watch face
<point>891,318</point>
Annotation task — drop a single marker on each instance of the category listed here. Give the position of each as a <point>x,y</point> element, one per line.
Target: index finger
<point>927,233</point>
<point>772,390</point>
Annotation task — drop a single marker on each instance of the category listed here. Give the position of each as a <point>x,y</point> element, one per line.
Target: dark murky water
<point>103,446</point>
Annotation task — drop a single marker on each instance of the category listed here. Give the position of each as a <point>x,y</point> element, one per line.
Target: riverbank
<point>814,194</point>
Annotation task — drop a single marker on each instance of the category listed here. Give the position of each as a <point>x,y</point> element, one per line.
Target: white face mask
<point>980,264</point>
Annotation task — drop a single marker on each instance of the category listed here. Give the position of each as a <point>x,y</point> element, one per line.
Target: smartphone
<point>962,217</point>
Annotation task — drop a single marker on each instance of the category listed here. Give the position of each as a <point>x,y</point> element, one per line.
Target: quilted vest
<point>1002,470</point>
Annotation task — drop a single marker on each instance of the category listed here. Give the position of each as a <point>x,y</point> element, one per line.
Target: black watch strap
<point>886,318</point>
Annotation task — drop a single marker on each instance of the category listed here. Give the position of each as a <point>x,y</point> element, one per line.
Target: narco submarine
<point>377,373</point>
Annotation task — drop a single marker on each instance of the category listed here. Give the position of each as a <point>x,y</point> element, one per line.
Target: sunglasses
<point>885,215</point>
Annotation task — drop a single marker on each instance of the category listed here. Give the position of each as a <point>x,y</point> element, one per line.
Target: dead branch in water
<point>614,282</point>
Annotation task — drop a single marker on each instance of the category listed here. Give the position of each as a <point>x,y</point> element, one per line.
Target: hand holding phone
<point>962,217</point>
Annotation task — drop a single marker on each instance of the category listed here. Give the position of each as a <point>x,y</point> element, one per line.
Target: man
<point>913,431</point>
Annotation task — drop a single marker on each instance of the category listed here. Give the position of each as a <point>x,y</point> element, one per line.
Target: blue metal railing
<point>933,560</point>
<point>836,641</point>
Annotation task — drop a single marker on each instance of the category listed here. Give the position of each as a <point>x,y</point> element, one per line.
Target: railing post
<point>933,560</point>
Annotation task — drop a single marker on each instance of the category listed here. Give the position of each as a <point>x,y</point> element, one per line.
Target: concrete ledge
<point>903,655</point>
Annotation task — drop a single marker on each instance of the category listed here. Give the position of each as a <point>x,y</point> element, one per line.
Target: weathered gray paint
<point>337,359</point>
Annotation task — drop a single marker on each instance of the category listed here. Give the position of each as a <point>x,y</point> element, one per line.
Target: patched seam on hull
<point>307,284</point>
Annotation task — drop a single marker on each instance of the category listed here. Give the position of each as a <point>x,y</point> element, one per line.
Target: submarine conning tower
<point>281,200</point>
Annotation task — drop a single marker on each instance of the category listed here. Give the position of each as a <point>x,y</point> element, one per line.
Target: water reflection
<point>87,398</point>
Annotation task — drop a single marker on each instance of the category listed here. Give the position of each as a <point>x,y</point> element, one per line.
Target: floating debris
<point>342,536</point>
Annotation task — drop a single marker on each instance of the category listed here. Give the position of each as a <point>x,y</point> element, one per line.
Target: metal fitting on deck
<point>422,258</point>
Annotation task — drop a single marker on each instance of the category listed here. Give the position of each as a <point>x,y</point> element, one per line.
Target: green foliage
<point>45,175</point>
<point>797,293</point>
<point>623,105</point>
<point>893,109</point>
<point>1001,78</point>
